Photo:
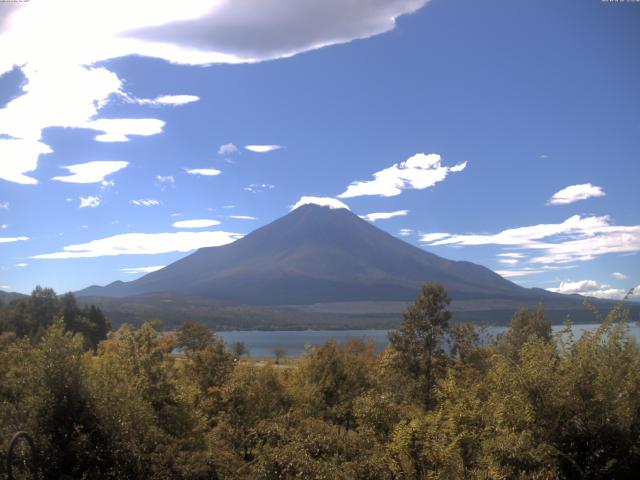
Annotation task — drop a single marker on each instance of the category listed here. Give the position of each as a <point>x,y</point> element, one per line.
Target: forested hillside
<point>441,401</point>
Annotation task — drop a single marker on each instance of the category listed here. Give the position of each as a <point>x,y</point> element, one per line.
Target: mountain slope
<point>317,255</point>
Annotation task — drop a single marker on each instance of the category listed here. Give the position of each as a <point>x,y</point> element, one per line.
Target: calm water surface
<point>261,343</point>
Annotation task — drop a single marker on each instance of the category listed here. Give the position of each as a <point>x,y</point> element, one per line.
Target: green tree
<point>279,353</point>
<point>330,378</point>
<point>239,349</point>
<point>417,345</point>
<point>525,325</point>
<point>194,336</point>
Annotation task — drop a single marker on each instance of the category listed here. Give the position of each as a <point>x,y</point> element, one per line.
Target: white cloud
<point>405,232</point>
<point>259,187</point>
<point>19,157</point>
<point>13,239</point>
<point>255,31</point>
<point>520,272</point>
<point>106,184</point>
<point>145,202</point>
<point>91,172</point>
<point>418,172</point>
<point>154,268</point>
<point>525,271</point>
<point>262,148</point>
<point>592,288</point>
<point>164,182</point>
<point>227,149</point>
<point>119,129</point>
<point>21,265</point>
<point>64,90</point>
<point>432,237</point>
<point>242,217</point>
<point>4,205</point>
<point>574,193</point>
<point>207,172</point>
<point>166,100</point>
<point>200,223</point>
<point>143,244</point>
<point>511,255</point>
<point>56,95</point>
<point>510,258</point>
<point>91,201</point>
<point>3,226</point>
<point>322,201</point>
<point>619,276</point>
<point>372,217</point>
<point>577,238</point>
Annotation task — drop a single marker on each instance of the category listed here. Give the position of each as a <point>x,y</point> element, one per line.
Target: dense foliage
<point>32,316</point>
<point>442,401</point>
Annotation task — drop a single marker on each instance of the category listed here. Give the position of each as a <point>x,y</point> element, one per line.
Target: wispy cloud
<point>592,288</point>
<point>418,172</point>
<point>207,172</point>
<point>259,187</point>
<point>91,201</point>
<point>511,255</point>
<point>575,193</point>
<point>91,172</point>
<point>510,258</point>
<point>13,239</point>
<point>21,265</point>
<point>143,244</point>
<point>135,270</point>
<point>145,202</point>
<point>166,100</point>
<point>242,217</point>
<point>332,203</point>
<point>107,184</point>
<point>526,271</point>
<point>372,217</point>
<point>577,238</point>
<point>433,237</point>
<point>119,129</point>
<point>165,179</point>
<point>4,205</point>
<point>619,276</point>
<point>262,148</point>
<point>227,149</point>
<point>405,232</point>
<point>199,223</point>
<point>164,182</point>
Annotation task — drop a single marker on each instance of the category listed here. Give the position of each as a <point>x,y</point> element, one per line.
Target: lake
<point>261,343</point>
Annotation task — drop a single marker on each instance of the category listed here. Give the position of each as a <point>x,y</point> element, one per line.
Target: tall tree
<point>417,344</point>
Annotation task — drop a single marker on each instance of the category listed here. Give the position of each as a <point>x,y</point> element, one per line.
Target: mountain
<point>6,297</point>
<point>316,255</point>
<point>319,267</point>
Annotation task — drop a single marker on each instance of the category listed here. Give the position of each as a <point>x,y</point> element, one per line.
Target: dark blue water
<point>261,343</point>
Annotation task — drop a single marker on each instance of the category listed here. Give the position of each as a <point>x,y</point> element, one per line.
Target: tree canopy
<point>442,401</point>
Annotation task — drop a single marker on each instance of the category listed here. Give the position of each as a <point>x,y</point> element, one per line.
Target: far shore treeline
<point>439,402</point>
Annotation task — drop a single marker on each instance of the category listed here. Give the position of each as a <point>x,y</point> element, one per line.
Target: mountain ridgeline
<point>317,256</point>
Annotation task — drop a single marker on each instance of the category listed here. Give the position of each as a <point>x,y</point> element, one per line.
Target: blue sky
<point>504,133</point>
